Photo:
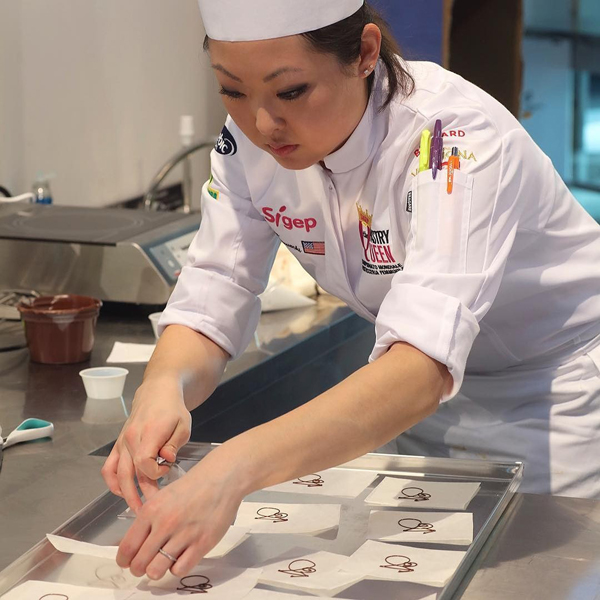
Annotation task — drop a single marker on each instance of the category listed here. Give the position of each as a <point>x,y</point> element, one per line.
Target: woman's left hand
<point>186,519</point>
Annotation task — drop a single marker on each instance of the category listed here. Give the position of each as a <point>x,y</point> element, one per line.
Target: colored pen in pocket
<point>453,164</point>
<point>424,150</point>
<point>437,149</point>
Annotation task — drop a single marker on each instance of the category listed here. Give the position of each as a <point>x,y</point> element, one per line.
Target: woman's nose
<point>267,123</point>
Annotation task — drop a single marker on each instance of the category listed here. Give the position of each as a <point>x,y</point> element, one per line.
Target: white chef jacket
<point>502,272</point>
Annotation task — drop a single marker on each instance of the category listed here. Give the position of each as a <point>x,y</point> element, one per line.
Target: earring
<point>367,71</point>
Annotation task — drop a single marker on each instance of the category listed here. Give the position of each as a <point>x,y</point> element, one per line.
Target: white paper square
<point>37,589</point>
<point>123,352</point>
<point>258,594</point>
<point>220,583</point>
<point>342,483</point>
<point>393,562</point>
<point>232,538</point>
<point>312,572</point>
<point>423,527</point>
<point>423,495</point>
<point>274,517</point>
<point>70,546</point>
<point>90,571</point>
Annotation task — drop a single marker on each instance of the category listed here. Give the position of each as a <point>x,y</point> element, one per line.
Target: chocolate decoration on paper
<point>269,513</point>
<point>401,563</point>
<point>414,493</point>
<point>195,584</point>
<point>303,568</point>
<point>411,524</point>
<point>316,481</point>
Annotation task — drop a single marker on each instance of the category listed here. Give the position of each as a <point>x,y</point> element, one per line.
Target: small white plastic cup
<point>104,383</point>
<point>154,318</point>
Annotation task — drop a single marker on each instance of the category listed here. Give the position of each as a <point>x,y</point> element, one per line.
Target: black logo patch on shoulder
<point>226,143</point>
<point>409,202</point>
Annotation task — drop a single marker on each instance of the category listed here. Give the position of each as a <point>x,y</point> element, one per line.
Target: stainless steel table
<point>44,483</point>
<point>543,547</point>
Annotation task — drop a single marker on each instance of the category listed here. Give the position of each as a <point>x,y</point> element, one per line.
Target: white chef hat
<point>245,20</point>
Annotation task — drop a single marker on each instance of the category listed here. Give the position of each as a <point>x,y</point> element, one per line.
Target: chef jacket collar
<point>359,146</point>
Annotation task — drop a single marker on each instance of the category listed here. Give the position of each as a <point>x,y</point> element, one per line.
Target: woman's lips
<point>283,150</point>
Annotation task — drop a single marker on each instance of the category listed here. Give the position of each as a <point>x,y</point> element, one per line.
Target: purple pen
<point>437,148</point>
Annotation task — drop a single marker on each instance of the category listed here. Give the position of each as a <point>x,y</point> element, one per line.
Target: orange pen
<point>453,163</point>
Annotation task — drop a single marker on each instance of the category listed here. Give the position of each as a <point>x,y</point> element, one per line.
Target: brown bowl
<point>60,329</point>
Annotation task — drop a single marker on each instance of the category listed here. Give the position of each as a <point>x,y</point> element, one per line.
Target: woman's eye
<point>231,94</point>
<point>293,94</point>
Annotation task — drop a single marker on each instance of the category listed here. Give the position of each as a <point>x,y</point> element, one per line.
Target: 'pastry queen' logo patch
<point>378,258</point>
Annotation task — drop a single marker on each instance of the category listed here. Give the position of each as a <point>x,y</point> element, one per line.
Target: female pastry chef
<point>485,299</point>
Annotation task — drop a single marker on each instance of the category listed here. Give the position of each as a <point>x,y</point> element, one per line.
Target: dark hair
<point>343,40</point>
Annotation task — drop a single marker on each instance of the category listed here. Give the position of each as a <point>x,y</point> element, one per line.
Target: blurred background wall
<point>561,90</point>
<point>92,90</point>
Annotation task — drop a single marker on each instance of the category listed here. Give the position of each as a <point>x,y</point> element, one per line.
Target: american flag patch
<point>314,248</point>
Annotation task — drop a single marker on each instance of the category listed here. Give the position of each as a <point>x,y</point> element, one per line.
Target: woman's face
<point>296,104</point>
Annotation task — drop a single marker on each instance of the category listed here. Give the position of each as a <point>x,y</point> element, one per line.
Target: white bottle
<point>41,189</point>
<point>186,135</point>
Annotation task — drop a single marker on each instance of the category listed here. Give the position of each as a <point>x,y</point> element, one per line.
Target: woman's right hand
<point>159,425</point>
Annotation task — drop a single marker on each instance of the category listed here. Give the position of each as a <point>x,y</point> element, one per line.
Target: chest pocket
<point>439,229</point>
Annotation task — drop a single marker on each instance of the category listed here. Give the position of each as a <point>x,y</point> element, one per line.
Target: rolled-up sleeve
<point>228,261</point>
<point>456,252</point>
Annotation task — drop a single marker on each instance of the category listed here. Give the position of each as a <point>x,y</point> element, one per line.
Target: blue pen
<point>437,148</point>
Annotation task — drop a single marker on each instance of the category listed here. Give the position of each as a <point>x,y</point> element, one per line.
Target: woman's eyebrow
<point>277,73</point>
<point>221,68</point>
<point>281,72</point>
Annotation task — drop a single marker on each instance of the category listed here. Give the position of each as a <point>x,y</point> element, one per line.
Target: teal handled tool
<point>28,430</point>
